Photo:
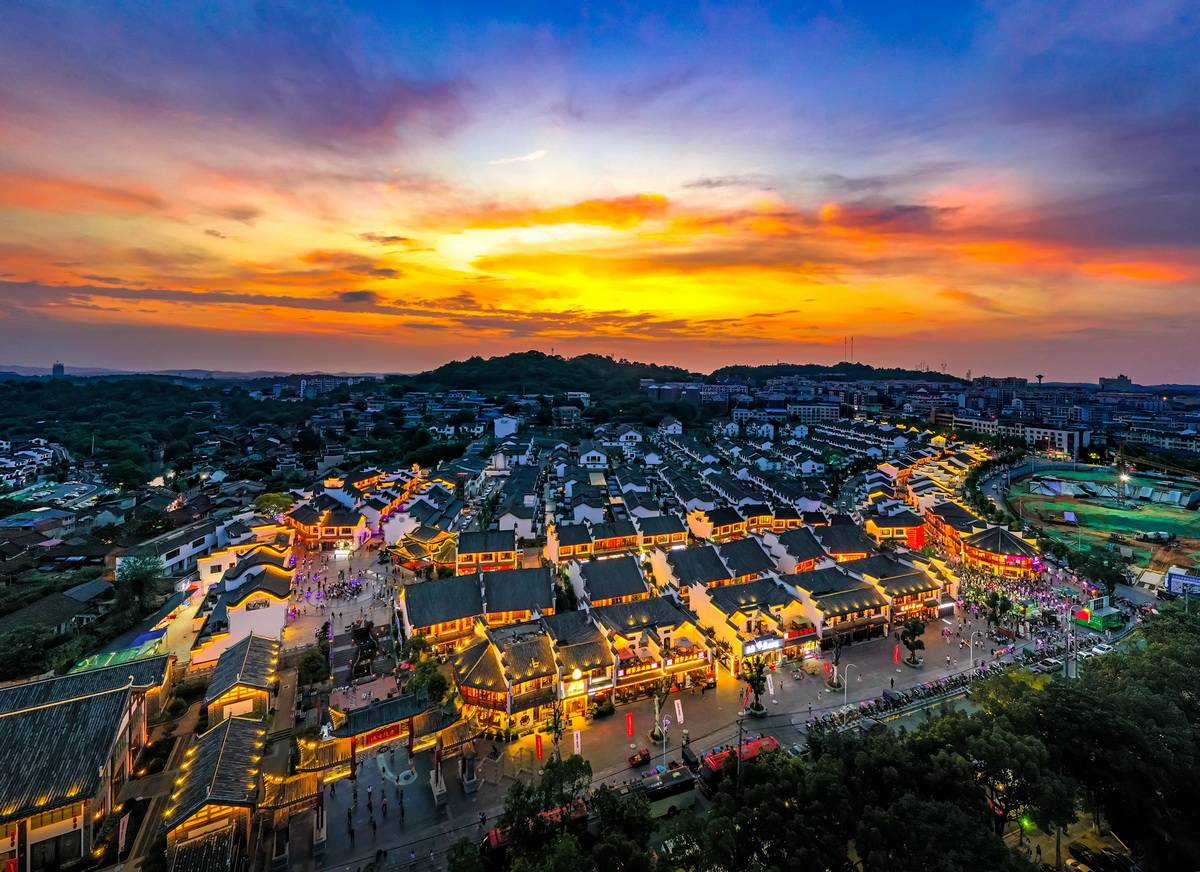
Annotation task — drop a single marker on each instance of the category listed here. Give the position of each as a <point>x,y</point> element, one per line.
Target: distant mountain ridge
<point>535,371</point>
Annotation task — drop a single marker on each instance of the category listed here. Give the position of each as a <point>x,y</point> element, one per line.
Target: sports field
<point>1099,519</point>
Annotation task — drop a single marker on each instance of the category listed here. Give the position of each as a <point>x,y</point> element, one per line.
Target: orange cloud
<point>616,212</point>
<point>45,193</point>
<point>1137,271</point>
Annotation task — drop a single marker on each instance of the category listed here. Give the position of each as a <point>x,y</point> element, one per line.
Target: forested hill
<point>132,423</point>
<point>845,370</point>
<point>535,372</point>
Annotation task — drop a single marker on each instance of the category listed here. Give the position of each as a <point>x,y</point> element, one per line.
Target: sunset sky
<point>1008,187</point>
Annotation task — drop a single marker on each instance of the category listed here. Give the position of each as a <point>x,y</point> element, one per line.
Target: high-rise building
<point>58,370</point>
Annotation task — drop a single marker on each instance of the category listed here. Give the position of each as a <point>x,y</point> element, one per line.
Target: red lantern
<point>896,654</point>
<point>629,724</point>
<point>537,743</point>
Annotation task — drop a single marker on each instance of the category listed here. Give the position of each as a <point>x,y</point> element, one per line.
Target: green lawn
<point>1097,518</point>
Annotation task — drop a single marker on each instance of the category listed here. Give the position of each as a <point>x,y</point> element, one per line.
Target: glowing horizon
<point>1006,189</point>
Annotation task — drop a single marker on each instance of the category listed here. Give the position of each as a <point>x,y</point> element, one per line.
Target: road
<point>996,486</point>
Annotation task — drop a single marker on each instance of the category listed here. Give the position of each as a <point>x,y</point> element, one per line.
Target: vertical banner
<point>629,724</point>
<point>577,738</point>
<point>770,684</point>
<point>679,710</point>
<point>537,744</point>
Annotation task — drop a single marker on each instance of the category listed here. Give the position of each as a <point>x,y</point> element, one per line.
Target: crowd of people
<point>320,589</point>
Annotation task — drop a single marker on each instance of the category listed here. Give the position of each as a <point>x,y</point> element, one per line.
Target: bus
<point>667,793</point>
<point>712,767</point>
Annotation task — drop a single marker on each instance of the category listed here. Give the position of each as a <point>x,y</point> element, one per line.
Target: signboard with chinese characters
<point>761,645</point>
<point>382,734</point>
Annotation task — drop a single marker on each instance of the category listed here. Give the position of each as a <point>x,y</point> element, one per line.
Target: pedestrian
<point>412,859</point>
<point>893,682</point>
<point>372,829</point>
<point>482,818</point>
<point>383,806</point>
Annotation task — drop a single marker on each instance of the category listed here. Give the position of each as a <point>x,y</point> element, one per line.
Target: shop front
<point>799,641</point>
<point>531,710</point>
<point>920,606</point>
<point>858,629</point>
<point>683,667</point>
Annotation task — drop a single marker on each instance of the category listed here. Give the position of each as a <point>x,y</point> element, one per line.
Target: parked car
<point>1050,664</point>
<point>1103,649</point>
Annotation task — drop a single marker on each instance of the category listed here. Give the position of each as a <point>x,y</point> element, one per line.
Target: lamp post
<point>971,642</point>
<point>846,682</point>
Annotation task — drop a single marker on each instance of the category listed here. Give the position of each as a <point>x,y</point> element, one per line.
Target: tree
<point>414,648</point>
<point>562,783</point>
<point>274,503</point>
<point>313,668</point>
<point>463,856</point>
<point>754,675</point>
<point>322,637</point>
<point>137,576</point>
<point>426,679</point>
<point>997,606</point>
<point>24,651</point>
<point>910,637</point>
<point>308,441</point>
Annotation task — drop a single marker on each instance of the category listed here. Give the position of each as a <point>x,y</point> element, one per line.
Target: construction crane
<point>1121,465</point>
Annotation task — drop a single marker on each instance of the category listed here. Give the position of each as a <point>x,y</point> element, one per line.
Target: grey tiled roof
<point>724,516</point>
<point>801,544</point>
<point>845,539</point>
<point>248,663</point>
<point>745,556</point>
<point>999,540</point>
<point>660,525</point>
<point>53,754</point>
<point>572,534</point>
<point>476,542</point>
<point>653,612</point>
<point>697,566</point>
<point>223,769</point>
<point>618,576</point>
<point>443,599</point>
<point>514,590</point>
<point>212,852</point>
<point>144,673</point>
<point>763,592</point>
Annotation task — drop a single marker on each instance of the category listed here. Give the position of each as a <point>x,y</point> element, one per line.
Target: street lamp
<point>971,642</point>
<point>846,681</point>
